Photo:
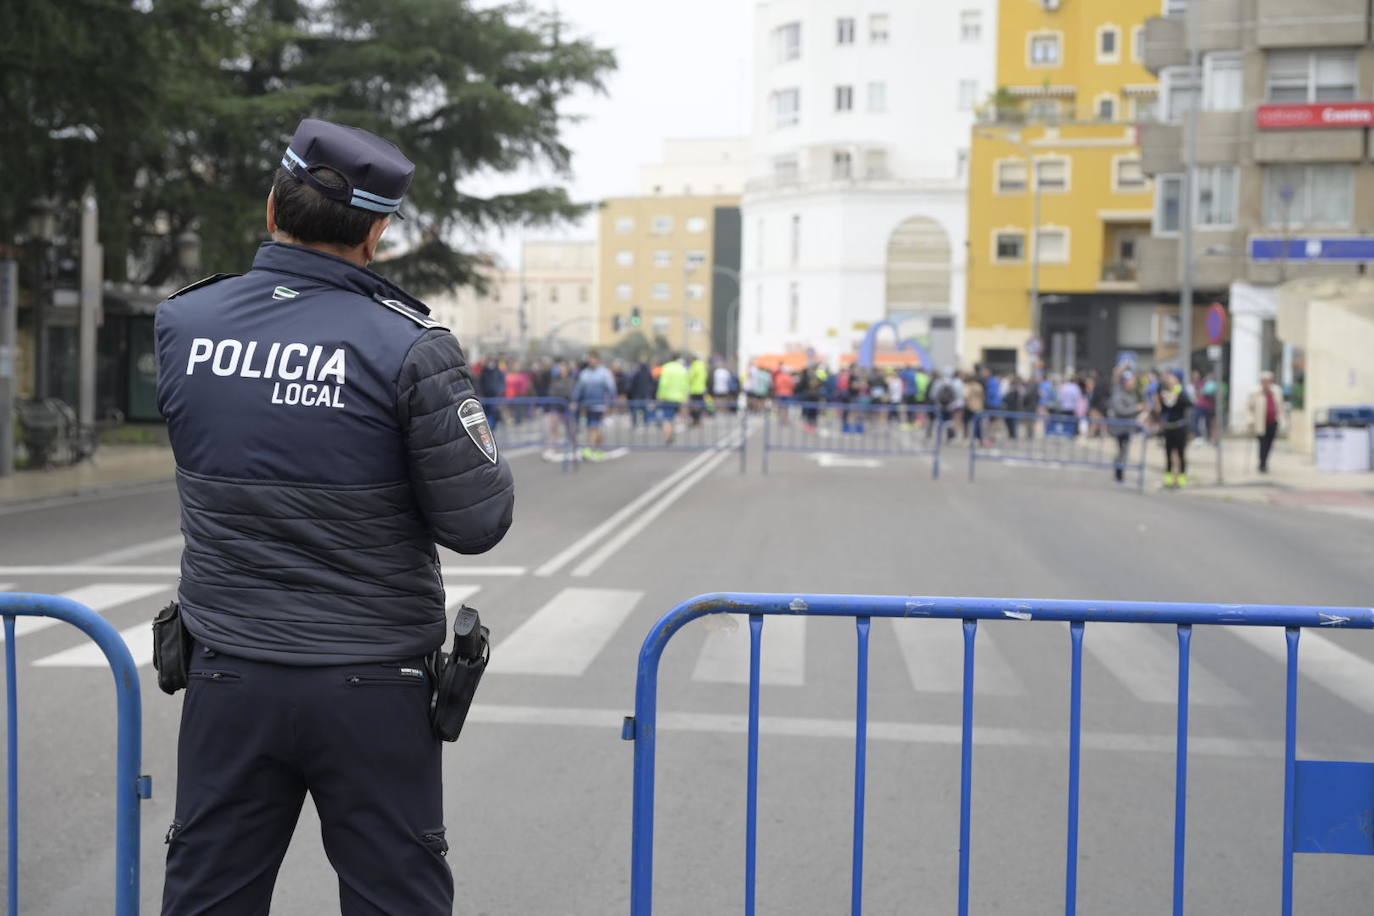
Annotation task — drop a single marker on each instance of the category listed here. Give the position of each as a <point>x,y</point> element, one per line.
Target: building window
<point>842,165</point>
<point>793,307</point>
<point>1044,110</point>
<point>1309,195</point>
<point>553,295</point>
<point>844,98</point>
<point>1012,176</point>
<point>1179,92</point>
<point>625,258</point>
<point>877,96</point>
<point>878,28</point>
<point>1045,50</point>
<point>663,258</point>
<point>661,225</point>
<point>1052,245</point>
<point>1128,175</point>
<point>696,224</point>
<point>787,42</point>
<point>624,292</point>
<point>696,291</point>
<point>1175,7</point>
<point>961,163</point>
<point>1217,190</point>
<point>583,294</point>
<point>796,238</point>
<point>1144,108</point>
<point>1106,108</point>
<point>1009,246</point>
<point>968,94</point>
<point>661,291</point>
<point>971,25</point>
<point>1311,76</point>
<point>1221,81</point>
<point>1137,42</point>
<point>1052,174</point>
<point>625,225</point>
<point>844,30</point>
<point>1108,44</point>
<point>875,164</point>
<point>694,259</point>
<point>786,107</point>
<point>785,170</point>
<point>1168,204</point>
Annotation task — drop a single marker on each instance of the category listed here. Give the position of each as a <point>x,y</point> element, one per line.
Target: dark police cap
<point>376,174</point>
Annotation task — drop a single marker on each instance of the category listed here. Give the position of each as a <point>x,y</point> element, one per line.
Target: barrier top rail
<point>1322,799</point>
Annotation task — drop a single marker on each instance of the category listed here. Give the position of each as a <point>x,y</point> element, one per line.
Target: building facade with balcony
<point>856,209</point>
<point>1058,203</point>
<point>1282,105</point>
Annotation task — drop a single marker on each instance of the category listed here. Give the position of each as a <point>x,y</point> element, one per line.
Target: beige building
<point>555,280</point>
<point>671,263</point>
<point>711,165</point>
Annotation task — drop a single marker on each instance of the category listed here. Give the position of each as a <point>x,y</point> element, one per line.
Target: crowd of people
<point>979,404</point>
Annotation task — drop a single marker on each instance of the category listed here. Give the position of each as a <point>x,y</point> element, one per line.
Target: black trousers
<point>1266,443</point>
<point>256,737</point>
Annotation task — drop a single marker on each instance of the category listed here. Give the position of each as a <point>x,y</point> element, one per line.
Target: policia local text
<point>286,362</point>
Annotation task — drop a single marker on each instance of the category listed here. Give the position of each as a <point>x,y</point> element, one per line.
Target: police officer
<point>327,437</point>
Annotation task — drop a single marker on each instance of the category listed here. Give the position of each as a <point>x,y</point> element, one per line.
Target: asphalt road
<point>538,790</point>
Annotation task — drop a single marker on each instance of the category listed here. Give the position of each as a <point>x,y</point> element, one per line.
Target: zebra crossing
<point>565,637</point>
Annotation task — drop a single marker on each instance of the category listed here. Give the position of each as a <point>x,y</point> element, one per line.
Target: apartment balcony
<point>1310,23</point>
<point>1219,260</point>
<point>1161,147</point>
<point>1166,43</point>
<point>1221,136</point>
<point>1221,24</point>
<point>1157,263</point>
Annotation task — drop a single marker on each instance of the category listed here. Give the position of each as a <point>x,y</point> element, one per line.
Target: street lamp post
<point>40,233</point>
<point>1188,204</point>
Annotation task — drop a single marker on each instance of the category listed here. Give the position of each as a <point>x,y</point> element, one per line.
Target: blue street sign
<point>1336,248</point>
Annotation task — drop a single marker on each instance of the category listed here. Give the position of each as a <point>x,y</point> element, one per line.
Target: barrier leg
<point>751,815</point>
<point>767,436</point>
<point>860,767</point>
<point>939,445</point>
<point>1185,639</point>
<point>966,768</point>
<point>972,457</point>
<point>1075,756</point>
<point>12,752</point>
<point>1144,456</point>
<point>1290,766</point>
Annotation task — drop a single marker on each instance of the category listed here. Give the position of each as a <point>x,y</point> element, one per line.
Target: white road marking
<point>123,554</point>
<point>1320,660</point>
<point>831,460</point>
<point>626,512</point>
<point>173,571</point>
<point>138,638</point>
<point>1145,660</point>
<point>934,654</point>
<point>724,657</point>
<point>455,595</point>
<point>633,528</point>
<point>99,597</point>
<point>565,635</point>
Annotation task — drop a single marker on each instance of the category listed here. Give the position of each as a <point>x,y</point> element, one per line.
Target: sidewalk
<point>113,467</point>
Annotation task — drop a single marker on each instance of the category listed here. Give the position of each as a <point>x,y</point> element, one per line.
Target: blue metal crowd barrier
<point>696,426</point>
<point>1326,805</point>
<point>853,429</point>
<point>529,422</point>
<point>130,786</point>
<point>1056,440</point>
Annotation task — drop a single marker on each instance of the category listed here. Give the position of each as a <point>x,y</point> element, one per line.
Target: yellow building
<point>1059,136</point>
<point>675,260</point>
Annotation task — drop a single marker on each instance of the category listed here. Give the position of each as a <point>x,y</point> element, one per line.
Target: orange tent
<point>794,362</point>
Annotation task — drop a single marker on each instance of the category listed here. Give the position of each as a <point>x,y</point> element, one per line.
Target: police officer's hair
<point>306,214</point>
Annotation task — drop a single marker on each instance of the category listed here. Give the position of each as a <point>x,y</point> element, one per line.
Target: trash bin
<point>41,424</point>
<point>1343,448</point>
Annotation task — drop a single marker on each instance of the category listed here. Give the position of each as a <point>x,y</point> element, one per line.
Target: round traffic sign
<point>1216,323</point>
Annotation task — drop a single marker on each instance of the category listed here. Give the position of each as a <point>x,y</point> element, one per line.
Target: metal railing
<point>130,786</point>
<point>694,426</point>
<point>871,429</point>
<point>1329,814</point>
<point>1058,440</point>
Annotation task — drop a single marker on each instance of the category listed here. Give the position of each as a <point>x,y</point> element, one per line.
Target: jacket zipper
<point>217,675</point>
<point>381,680</point>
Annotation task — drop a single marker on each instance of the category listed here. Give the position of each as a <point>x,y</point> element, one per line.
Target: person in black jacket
<point>327,437</point>
<point>1172,407</point>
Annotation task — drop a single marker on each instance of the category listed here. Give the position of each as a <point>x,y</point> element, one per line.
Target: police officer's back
<point>327,437</point>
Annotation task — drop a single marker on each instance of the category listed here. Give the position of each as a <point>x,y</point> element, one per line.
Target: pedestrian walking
<point>1265,410</point>
<point>674,387</point>
<point>592,395</point>
<point>1123,412</point>
<point>697,382</point>
<point>642,388</point>
<point>328,438</point>
<point>1172,407</point>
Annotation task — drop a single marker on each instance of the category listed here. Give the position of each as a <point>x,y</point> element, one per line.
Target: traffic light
<point>617,323</point>
<point>636,319</point>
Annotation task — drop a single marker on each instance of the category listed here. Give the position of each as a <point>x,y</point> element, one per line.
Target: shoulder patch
<point>213,278</point>
<point>400,308</point>
<point>474,420</point>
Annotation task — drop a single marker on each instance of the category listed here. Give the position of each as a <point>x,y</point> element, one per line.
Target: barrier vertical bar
<point>751,815</point>
<point>743,435</point>
<point>1185,640</point>
<point>939,421</point>
<point>860,766</point>
<point>972,457</point>
<point>12,754</point>
<point>966,768</point>
<point>1144,457</point>
<point>1075,753</point>
<point>767,435</point>
<point>1290,766</point>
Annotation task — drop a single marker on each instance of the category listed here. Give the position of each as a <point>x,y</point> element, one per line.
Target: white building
<point>709,166</point>
<point>856,209</point>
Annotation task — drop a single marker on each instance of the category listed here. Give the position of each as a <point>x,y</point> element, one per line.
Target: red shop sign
<point>1309,117</point>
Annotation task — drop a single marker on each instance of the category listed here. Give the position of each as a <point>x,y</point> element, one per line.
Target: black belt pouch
<point>171,649</point>
<point>457,674</point>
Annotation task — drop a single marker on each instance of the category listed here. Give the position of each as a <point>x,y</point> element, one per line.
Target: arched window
<point>918,267</point>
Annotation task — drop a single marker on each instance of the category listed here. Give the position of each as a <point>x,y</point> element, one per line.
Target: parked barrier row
<point>1326,804</point>
<point>130,786</point>
<point>854,429</point>
<point>1058,440</point>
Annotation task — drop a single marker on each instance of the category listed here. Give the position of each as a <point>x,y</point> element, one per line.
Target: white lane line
<point>597,534</point>
<point>83,570</point>
<point>902,732</point>
<point>134,551</point>
<point>455,595</point>
<point>1320,660</point>
<point>632,529</point>
<point>565,635</point>
<point>99,597</point>
<point>1145,660</point>
<point>933,651</point>
<point>724,657</point>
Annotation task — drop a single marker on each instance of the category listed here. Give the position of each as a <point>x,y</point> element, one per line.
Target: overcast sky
<point>683,71</point>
